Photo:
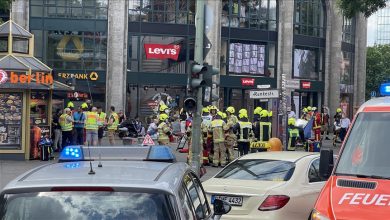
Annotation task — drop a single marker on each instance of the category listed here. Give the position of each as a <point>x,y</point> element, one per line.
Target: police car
<point>133,182</point>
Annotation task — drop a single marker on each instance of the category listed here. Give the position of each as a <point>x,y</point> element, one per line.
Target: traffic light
<point>196,71</point>
<point>210,85</point>
<point>190,105</point>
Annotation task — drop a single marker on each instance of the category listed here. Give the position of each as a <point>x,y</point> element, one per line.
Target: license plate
<point>233,200</point>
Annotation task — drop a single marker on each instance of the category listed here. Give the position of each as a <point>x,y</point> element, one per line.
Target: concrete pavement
<point>11,169</point>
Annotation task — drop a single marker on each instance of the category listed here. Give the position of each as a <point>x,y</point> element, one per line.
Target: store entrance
<point>300,100</point>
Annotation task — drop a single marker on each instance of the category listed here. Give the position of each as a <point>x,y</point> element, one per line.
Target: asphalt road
<point>11,169</point>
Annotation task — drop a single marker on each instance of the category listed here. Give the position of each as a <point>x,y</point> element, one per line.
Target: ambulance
<point>359,183</point>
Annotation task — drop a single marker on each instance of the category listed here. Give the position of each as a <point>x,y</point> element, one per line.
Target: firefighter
<point>243,129</point>
<point>230,137</point>
<point>163,130</point>
<point>292,135</point>
<point>270,114</point>
<point>317,125</point>
<point>304,113</point>
<point>263,129</point>
<point>256,114</point>
<point>206,137</point>
<point>325,122</point>
<point>213,111</point>
<point>217,129</point>
<point>337,126</point>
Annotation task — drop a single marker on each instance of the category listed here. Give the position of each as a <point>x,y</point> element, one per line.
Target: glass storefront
<point>162,11</point>
<point>80,9</point>
<point>11,107</point>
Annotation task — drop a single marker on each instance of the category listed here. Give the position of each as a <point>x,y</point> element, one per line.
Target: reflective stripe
<point>91,123</point>
<point>293,135</point>
<point>262,128</point>
<point>114,125</point>
<point>65,126</point>
<point>244,125</point>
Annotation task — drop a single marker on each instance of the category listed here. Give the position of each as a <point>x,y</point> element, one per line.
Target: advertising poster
<point>11,106</point>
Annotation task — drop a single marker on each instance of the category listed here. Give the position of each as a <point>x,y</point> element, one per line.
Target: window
<point>347,73</point>
<point>308,63</point>
<point>246,58</point>
<point>314,171</point>
<point>349,30</point>
<point>20,45</point>
<point>3,44</point>
<point>260,169</point>
<point>162,11</point>
<point>185,203</point>
<point>198,200</point>
<point>80,9</point>
<point>309,18</point>
<point>202,195</point>
<point>256,14</point>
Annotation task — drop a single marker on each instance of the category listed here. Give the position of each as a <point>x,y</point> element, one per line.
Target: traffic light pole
<point>196,120</point>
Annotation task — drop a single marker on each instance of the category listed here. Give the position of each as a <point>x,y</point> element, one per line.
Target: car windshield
<point>259,169</point>
<point>85,206</point>
<point>367,149</point>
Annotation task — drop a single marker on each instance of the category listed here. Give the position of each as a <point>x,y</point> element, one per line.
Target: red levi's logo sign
<point>162,51</point>
<point>306,85</point>
<point>247,81</point>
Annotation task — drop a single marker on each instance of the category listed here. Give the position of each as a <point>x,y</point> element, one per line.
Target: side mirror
<point>326,163</point>
<point>221,207</point>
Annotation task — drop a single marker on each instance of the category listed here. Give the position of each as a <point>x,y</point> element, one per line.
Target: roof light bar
<point>71,153</point>
<point>161,153</point>
<point>384,89</point>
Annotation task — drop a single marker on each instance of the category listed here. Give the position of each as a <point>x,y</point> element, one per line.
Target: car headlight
<point>316,215</point>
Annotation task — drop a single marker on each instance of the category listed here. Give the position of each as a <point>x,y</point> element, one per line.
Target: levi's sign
<point>247,81</point>
<point>264,94</point>
<point>162,51</point>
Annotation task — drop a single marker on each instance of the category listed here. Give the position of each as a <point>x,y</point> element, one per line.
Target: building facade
<point>305,44</point>
<point>383,25</point>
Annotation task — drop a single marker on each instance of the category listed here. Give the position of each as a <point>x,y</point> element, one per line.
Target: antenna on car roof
<point>91,172</point>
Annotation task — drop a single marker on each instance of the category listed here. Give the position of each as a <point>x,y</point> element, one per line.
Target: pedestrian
<point>163,130</point>
<point>217,129</point>
<point>152,129</point>
<point>243,129</point>
<point>344,123</point>
<point>79,120</point>
<point>57,145</point>
<point>102,122</point>
<point>325,122</point>
<point>66,123</point>
<point>122,116</point>
<point>113,121</point>
<point>91,127</point>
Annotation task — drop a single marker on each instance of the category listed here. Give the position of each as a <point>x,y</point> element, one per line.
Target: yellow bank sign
<point>93,76</point>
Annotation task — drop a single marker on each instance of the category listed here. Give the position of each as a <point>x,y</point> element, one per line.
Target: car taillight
<point>274,203</point>
<point>88,189</point>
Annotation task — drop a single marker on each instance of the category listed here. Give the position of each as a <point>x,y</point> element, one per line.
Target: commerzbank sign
<point>93,76</point>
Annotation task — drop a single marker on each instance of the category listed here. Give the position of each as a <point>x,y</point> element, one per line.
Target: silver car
<point>83,187</point>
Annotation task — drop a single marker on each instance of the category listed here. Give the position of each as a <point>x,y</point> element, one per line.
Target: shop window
<point>307,63</point>
<point>256,14</point>
<point>11,107</point>
<point>246,58</point>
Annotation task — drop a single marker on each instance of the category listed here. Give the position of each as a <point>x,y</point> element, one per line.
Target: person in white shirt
<point>344,123</point>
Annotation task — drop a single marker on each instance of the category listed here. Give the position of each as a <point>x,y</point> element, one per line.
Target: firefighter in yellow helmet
<point>213,111</point>
<point>304,113</point>
<point>262,130</point>
<point>292,135</point>
<point>217,129</point>
<point>337,126</point>
<point>231,138</point>
<point>243,129</point>
<point>163,130</point>
<point>256,114</point>
<point>163,109</point>
<point>70,105</point>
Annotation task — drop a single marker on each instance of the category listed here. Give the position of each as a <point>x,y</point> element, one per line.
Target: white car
<point>268,185</point>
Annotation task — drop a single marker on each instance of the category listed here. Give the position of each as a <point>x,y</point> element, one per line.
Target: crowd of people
<point>84,125</point>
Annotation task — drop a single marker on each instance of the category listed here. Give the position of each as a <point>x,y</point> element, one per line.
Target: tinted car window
<point>366,151</point>
<point>202,196</point>
<point>314,174</point>
<point>85,205</point>
<point>259,169</point>
<point>195,198</point>
<point>185,203</point>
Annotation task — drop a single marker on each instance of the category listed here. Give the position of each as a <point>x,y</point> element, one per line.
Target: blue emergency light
<point>384,89</point>
<point>140,153</point>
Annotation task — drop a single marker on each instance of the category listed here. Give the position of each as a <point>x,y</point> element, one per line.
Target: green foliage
<point>378,67</point>
<point>351,7</point>
<point>4,4</point>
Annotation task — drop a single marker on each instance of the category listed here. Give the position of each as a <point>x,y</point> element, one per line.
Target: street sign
<point>293,84</point>
<point>207,45</point>
<point>263,86</point>
<point>264,94</point>
<point>373,93</point>
<point>148,141</point>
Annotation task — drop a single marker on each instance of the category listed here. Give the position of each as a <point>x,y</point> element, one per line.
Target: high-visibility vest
<point>244,126</point>
<point>292,138</point>
<point>101,119</point>
<point>265,131</point>
<point>163,129</point>
<point>91,122</point>
<point>114,125</point>
<point>217,128</point>
<point>65,126</point>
